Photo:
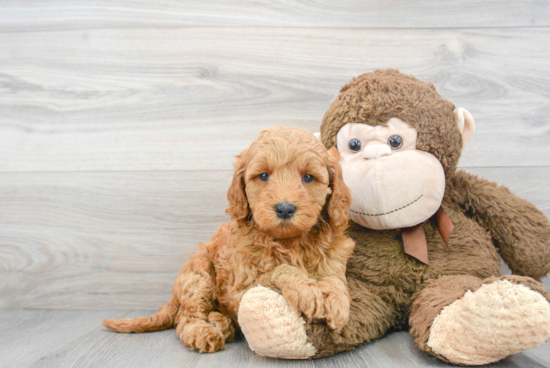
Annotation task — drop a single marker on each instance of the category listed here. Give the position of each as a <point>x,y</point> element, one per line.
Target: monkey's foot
<point>499,319</point>
<point>272,327</point>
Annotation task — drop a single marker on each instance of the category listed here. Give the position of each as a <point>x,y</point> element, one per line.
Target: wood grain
<point>61,338</point>
<point>192,98</point>
<point>117,240</point>
<point>77,240</point>
<point>65,14</point>
<point>119,121</point>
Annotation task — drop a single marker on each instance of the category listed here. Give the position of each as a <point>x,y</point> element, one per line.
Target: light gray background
<point>119,121</point>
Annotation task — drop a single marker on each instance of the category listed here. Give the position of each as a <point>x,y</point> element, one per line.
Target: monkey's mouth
<point>386,213</point>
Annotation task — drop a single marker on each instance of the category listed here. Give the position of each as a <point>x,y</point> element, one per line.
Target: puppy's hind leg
<point>195,288</point>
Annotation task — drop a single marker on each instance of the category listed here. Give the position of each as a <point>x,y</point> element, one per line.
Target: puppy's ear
<point>340,199</point>
<point>238,204</point>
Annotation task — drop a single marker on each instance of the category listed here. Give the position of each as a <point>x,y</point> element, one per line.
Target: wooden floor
<point>119,121</point>
<point>75,338</point>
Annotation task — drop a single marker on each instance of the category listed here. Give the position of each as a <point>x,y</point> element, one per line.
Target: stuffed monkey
<point>427,238</point>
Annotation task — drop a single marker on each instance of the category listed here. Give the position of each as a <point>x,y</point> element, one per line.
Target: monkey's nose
<point>285,210</point>
<point>376,150</point>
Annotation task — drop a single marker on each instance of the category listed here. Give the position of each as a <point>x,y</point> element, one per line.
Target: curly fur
<point>303,257</point>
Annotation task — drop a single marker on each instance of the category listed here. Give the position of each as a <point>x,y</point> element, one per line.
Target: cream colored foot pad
<point>497,320</point>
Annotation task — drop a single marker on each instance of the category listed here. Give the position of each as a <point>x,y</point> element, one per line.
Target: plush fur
<point>487,219</point>
<point>392,290</point>
<point>375,98</point>
<point>303,257</point>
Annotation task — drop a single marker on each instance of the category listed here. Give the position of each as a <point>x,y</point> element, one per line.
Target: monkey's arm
<point>518,228</point>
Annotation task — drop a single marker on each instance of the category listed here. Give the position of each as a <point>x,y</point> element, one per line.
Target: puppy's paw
<point>223,324</point>
<point>202,336</point>
<point>308,300</point>
<point>336,311</point>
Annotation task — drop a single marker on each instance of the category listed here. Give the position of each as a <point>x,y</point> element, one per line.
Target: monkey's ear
<point>466,125</point>
<point>318,136</point>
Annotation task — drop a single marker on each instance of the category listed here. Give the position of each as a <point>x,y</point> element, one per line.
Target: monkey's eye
<point>307,178</point>
<point>395,141</point>
<point>355,145</point>
<point>264,177</point>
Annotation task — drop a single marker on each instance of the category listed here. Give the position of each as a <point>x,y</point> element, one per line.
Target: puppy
<point>288,205</point>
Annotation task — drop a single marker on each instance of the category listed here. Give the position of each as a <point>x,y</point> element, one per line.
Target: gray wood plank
<point>58,345</point>
<point>100,240</point>
<point>94,239</point>
<point>102,348</point>
<point>31,335</point>
<point>397,349</point>
<point>63,14</point>
<point>76,338</point>
<point>192,98</point>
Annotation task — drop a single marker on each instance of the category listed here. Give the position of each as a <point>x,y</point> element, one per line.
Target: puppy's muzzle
<point>285,210</point>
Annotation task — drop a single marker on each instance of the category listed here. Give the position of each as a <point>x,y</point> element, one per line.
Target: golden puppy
<point>288,205</point>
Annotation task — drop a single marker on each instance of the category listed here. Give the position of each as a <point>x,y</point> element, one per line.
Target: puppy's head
<point>286,182</point>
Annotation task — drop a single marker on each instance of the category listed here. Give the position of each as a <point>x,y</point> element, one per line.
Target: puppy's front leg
<point>299,290</point>
<point>337,301</point>
<point>327,298</point>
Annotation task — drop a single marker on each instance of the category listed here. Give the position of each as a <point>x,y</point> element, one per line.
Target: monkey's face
<point>393,184</point>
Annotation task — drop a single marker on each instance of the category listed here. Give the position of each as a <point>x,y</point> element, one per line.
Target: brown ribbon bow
<point>414,238</point>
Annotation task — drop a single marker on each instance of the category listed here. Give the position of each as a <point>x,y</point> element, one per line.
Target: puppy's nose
<point>285,210</point>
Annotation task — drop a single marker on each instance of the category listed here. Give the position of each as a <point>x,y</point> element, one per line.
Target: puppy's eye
<point>264,177</point>
<point>355,145</point>
<point>395,142</point>
<point>307,178</point>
